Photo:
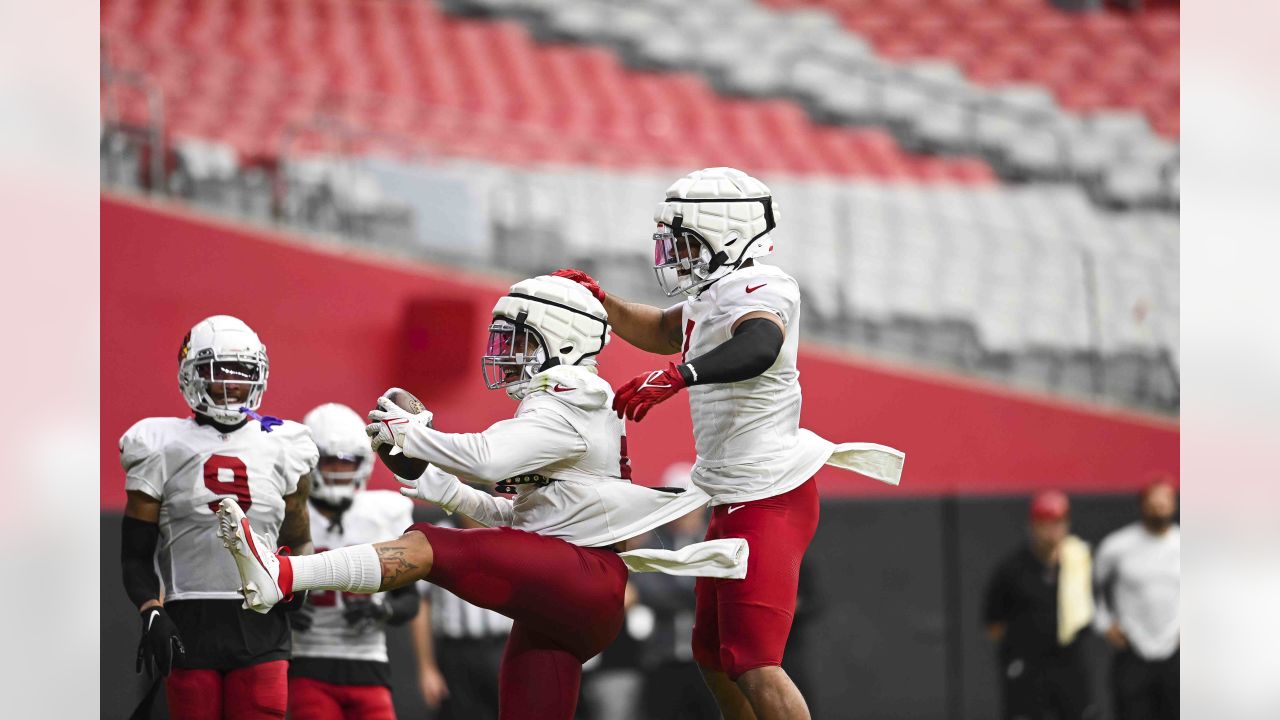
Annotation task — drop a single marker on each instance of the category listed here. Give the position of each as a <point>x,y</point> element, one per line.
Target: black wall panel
<point>895,589</point>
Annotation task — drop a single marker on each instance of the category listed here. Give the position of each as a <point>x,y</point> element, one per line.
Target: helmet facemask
<point>514,354</point>
<point>681,259</point>
<point>337,478</point>
<point>687,261</point>
<point>218,385</point>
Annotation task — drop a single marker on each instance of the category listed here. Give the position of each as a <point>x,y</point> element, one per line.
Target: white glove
<point>434,486</point>
<point>389,423</point>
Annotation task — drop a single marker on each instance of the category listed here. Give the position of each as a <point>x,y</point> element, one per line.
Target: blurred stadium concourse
<point>979,199</point>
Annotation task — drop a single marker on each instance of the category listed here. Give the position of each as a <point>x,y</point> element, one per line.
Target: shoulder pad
<point>148,436</point>
<point>574,385</point>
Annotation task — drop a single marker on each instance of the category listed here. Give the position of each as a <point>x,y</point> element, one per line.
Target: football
<point>405,467</point>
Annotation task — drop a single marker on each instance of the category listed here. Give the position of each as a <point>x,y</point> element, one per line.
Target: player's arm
<point>533,440</point>
<point>647,327</point>
<point>295,531</point>
<point>1104,620</point>
<point>757,339</point>
<point>430,679</point>
<point>140,534</point>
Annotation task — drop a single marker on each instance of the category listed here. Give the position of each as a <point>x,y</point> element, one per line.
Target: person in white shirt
<point>1137,574</point>
<point>552,558</point>
<point>738,335</point>
<point>340,666</point>
<point>215,659</point>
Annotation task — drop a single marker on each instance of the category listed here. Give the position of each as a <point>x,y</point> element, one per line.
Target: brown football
<point>406,467</point>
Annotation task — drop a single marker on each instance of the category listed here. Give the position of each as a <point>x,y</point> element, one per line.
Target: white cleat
<point>257,562</point>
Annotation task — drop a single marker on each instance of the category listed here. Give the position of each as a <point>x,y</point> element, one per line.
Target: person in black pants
<point>1139,588</point>
<point>1043,672</point>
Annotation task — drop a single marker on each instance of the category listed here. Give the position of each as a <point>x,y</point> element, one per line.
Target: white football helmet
<point>339,434</point>
<point>711,222</point>
<point>543,322</point>
<point>222,350</point>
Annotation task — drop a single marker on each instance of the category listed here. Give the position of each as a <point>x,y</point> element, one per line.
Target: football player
<point>737,332</point>
<point>218,660</point>
<point>549,558</point>
<point>340,667</point>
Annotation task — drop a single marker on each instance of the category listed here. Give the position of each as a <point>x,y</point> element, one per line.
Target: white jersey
<point>564,430</point>
<point>1143,572</point>
<point>189,468</point>
<point>374,516</point>
<point>747,433</point>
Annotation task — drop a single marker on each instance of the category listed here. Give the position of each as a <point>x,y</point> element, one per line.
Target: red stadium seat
<point>1027,41</point>
<point>247,73</point>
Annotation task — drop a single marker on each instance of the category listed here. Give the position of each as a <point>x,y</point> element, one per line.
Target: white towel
<point>880,462</point>
<point>725,558</point>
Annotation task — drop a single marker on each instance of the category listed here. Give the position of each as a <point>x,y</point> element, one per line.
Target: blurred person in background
<point>340,669</point>
<point>553,558</point>
<point>219,660</point>
<point>674,689</point>
<point>738,333</point>
<point>1139,589</point>
<point>1037,602</point>
<point>459,650</point>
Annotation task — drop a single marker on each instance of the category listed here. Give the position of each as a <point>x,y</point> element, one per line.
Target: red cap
<point>1049,505</point>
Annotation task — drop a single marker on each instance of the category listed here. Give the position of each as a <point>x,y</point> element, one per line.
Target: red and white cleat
<point>260,569</point>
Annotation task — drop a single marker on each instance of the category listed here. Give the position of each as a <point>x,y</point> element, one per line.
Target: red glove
<point>582,279</point>
<point>646,390</point>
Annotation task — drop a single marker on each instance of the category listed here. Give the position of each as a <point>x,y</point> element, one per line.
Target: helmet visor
<point>679,261</point>
<point>513,354</point>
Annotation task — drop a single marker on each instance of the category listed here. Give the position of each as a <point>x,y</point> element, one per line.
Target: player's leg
<point>755,613</point>
<point>729,697</point>
<point>194,694</point>
<point>706,641</point>
<point>257,692</point>
<point>366,702</point>
<point>570,593</point>
<point>311,699</point>
<point>539,679</point>
<point>267,579</point>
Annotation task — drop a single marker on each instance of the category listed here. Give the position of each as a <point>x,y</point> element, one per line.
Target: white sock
<point>352,569</point>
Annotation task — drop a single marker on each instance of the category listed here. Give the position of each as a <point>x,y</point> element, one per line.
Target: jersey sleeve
<point>298,455</point>
<point>142,457</point>
<point>536,438</point>
<point>747,292</point>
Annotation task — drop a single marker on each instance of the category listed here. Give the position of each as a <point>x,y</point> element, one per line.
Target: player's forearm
<point>649,328</point>
<point>751,351</point>
<point>486,509</point>
<point>137,561</point>
<point>295,531</point>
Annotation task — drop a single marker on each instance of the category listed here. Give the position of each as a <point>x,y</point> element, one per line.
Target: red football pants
<point>566,602</point>
<point>253,692</point>
<point>311,699</point>
<point>740,625</point>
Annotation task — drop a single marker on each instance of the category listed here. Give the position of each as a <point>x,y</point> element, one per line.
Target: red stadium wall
<point>337,324</point>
